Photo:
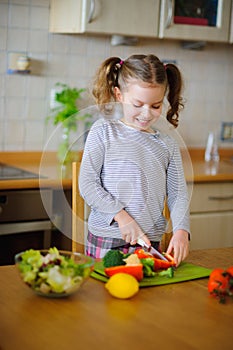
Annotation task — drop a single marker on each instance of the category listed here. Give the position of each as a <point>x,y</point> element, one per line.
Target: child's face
<point>142,104</point>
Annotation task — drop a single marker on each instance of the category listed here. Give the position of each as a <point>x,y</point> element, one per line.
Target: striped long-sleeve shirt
<point>124,168</point>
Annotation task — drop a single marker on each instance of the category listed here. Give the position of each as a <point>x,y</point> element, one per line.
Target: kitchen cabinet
<point>195,20</point>
<point>211,216</point>
<point>131,17</point>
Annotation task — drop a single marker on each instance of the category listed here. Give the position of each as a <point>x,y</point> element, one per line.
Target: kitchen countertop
<point>197,169</point>
<point>174,316</point>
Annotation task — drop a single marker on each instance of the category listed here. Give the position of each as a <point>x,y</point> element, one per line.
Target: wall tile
<point>44,3</point>
<point>17,40</point>
<point>2,135</point>
<point>3,64</point>
<point>34,135</point>
<point>39,18</point>
<point>36,109</point>
<point>4,15</point>
<point>36,87</point>
<point>15,86</point>
<point>15,133</point>
<point>20,2</point>
<point>2,107</point>
<point>15,108</point>
<point>38,41</point>
<point>58,43</point>
<point>3,38</point>
<point>19,16</point>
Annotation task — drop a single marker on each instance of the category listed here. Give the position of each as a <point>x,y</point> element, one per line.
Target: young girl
<point>129,168</point>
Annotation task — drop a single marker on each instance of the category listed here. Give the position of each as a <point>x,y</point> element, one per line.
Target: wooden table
<point>175,316</point>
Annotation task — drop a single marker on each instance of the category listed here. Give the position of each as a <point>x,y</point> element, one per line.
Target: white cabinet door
<point>211,218</point>
<point>175,22</point>
<point>211,230</point>
<point>131,17</point>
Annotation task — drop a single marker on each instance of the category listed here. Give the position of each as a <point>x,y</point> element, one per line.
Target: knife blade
<point>151,250</point>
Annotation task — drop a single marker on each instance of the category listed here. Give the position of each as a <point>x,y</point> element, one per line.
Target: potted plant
<point>66,113</point>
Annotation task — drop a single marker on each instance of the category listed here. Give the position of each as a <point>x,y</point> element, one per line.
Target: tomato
<point>218,284</point>
<point>230,271</point>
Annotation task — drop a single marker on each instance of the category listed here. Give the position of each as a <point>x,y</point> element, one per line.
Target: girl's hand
<point>179,245</point>
<point>129,228</point>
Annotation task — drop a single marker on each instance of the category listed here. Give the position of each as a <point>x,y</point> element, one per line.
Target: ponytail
<point>105,80</point>
<point>175,85</point>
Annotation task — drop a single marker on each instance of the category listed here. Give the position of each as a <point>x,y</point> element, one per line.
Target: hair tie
<point>119,65</point>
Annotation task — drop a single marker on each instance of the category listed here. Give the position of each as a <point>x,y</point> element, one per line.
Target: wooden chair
<point>80,214</point>
<point>78,225</point>
<point>167,235</point>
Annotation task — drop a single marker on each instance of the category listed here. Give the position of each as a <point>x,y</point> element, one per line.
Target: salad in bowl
<point>53,273</point>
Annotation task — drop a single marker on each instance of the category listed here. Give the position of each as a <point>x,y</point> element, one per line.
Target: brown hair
<point>114,72</point>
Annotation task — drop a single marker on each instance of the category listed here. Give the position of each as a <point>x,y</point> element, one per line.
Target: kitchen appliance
<point>24,222</point>
<point>9,172</point>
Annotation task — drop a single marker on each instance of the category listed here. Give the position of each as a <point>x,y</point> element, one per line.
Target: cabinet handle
<point>169,14</point>
<point>220,198</point>
<point>92,12</point>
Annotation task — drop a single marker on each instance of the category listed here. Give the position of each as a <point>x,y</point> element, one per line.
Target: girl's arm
<point>178,203</point>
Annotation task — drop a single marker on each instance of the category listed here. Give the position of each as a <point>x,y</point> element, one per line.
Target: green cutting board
<point>185,272</point>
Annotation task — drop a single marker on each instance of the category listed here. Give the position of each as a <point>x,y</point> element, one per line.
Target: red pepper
<point>170,258</point>
<point>160,264</point>
<point>134,270</point>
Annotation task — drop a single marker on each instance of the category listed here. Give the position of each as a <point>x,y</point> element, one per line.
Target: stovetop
<point>9,172</point>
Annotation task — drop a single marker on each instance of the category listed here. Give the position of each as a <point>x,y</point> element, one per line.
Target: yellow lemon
<point>122,285</point>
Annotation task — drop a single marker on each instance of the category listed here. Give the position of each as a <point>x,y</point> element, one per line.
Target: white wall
<point>73,59</point>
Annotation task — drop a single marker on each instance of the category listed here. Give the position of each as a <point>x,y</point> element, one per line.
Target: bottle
<point>211,151</point>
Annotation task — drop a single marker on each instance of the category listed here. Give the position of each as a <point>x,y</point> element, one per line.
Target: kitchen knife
<point>151,250</point>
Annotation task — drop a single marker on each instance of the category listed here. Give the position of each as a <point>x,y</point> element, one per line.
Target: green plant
<point>67,111</point>
<point>67,114</point>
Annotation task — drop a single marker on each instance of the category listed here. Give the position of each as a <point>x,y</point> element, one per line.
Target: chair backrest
<point>77,211</point>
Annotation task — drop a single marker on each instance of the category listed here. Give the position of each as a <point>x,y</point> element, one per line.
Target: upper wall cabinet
<point>207,20</point>
<point>131,17</point>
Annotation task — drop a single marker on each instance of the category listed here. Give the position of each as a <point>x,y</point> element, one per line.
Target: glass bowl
<point>53,273</point>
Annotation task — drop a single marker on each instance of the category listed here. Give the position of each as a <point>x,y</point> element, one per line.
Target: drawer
<point>211,230</point>
<point>212,197</point>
